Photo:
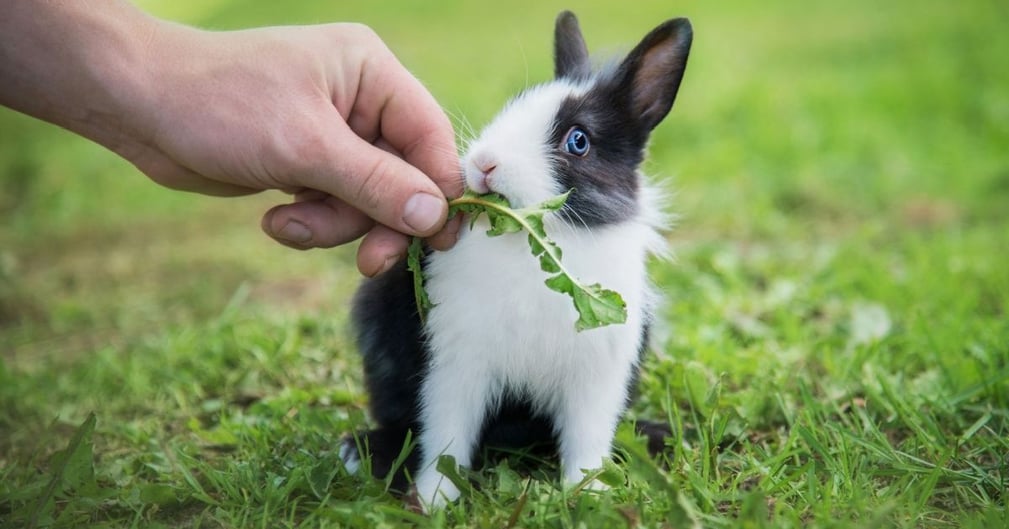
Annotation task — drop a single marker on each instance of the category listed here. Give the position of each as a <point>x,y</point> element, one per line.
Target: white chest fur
<point>493,313</point>
<point>496,327</point>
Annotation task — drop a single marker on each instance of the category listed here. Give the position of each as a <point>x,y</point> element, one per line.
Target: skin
<point>325,113</point>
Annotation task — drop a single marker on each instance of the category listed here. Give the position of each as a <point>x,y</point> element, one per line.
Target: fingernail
<point>423,212</point>
<point>389,262</point>
<point>295,232</point>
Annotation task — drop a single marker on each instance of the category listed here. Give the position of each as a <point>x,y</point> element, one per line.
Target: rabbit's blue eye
<point>577,142</point>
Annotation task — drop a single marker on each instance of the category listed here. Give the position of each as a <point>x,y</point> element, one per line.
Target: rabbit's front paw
<point>435,490</point>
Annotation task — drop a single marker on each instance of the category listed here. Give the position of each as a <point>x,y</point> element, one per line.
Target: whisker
<point>525,59</point>
<point>463,128</point>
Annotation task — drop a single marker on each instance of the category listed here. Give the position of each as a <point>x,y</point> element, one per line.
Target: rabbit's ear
<point>648,79</point>
<point>571,56</point>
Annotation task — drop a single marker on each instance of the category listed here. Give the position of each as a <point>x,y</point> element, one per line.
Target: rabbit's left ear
<point>648,79</point>
<point>571,55</point>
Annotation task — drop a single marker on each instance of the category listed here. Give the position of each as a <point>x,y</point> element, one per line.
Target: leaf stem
<point>595,305</point>
<point>517,215</point>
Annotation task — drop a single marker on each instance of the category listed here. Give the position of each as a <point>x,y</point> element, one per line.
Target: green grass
<point>834,351</point>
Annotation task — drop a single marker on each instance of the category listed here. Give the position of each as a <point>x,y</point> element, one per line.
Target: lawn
<point>833,350</point>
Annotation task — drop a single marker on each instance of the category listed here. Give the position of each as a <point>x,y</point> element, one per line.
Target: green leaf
<point>595,305</point>
<point>73,468</point>
<point>598,307</point>
<point>549,264</point>
<point>447,467</point>
<point>555,203</point>
<point>319,478</point>
<point>78,467</point>
<point>158,494</point>
<point>502,224</point>
<point>612,474</point>
<point>560,283</point>
<point>413,263</point>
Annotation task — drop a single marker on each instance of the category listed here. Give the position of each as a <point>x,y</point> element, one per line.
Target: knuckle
<point>374,184</point>
<point>369,36</point>
<point>358,34</point>
<point>364,31</point>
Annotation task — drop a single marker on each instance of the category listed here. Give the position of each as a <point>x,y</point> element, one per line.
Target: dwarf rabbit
<point>498,360</point>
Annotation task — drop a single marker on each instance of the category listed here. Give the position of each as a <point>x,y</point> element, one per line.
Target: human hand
<point>324,112</point>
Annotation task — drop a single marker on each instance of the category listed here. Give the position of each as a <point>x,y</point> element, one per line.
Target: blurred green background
<point>841,175</point>
<point>797,121</point>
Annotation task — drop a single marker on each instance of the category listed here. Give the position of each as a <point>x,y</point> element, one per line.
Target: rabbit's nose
<point>480,180</point>
<point>487,169</point>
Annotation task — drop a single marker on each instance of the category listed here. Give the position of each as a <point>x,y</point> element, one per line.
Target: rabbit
<point>498,361</point>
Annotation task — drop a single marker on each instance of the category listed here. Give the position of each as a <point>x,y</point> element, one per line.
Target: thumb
<point>378,183</point>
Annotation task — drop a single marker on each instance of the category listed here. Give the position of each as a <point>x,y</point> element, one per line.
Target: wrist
<point>116,69</point>
<point>75,64</point>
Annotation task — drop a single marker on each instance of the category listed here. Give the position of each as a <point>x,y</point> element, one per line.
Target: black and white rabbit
<point>498,360</point>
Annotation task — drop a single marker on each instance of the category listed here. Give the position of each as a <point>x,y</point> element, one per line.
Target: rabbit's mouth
<point>481,173</point>
<point>512,201</point>
<point>520,184</point>
<point>487,179</point>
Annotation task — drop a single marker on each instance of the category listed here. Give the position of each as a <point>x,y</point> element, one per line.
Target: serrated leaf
<point>535,222</point>
<point>555,203</point>
<point>596,306</point>
<point>502,224</point>
<point>560,283</point>
<point>548,264</point>
<point>413,263</point>
<point>550,255</point>
<point>490,198</point>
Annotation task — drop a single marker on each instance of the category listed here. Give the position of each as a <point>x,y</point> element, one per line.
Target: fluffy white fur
<point>515,144</point>
<point>496,326</point>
